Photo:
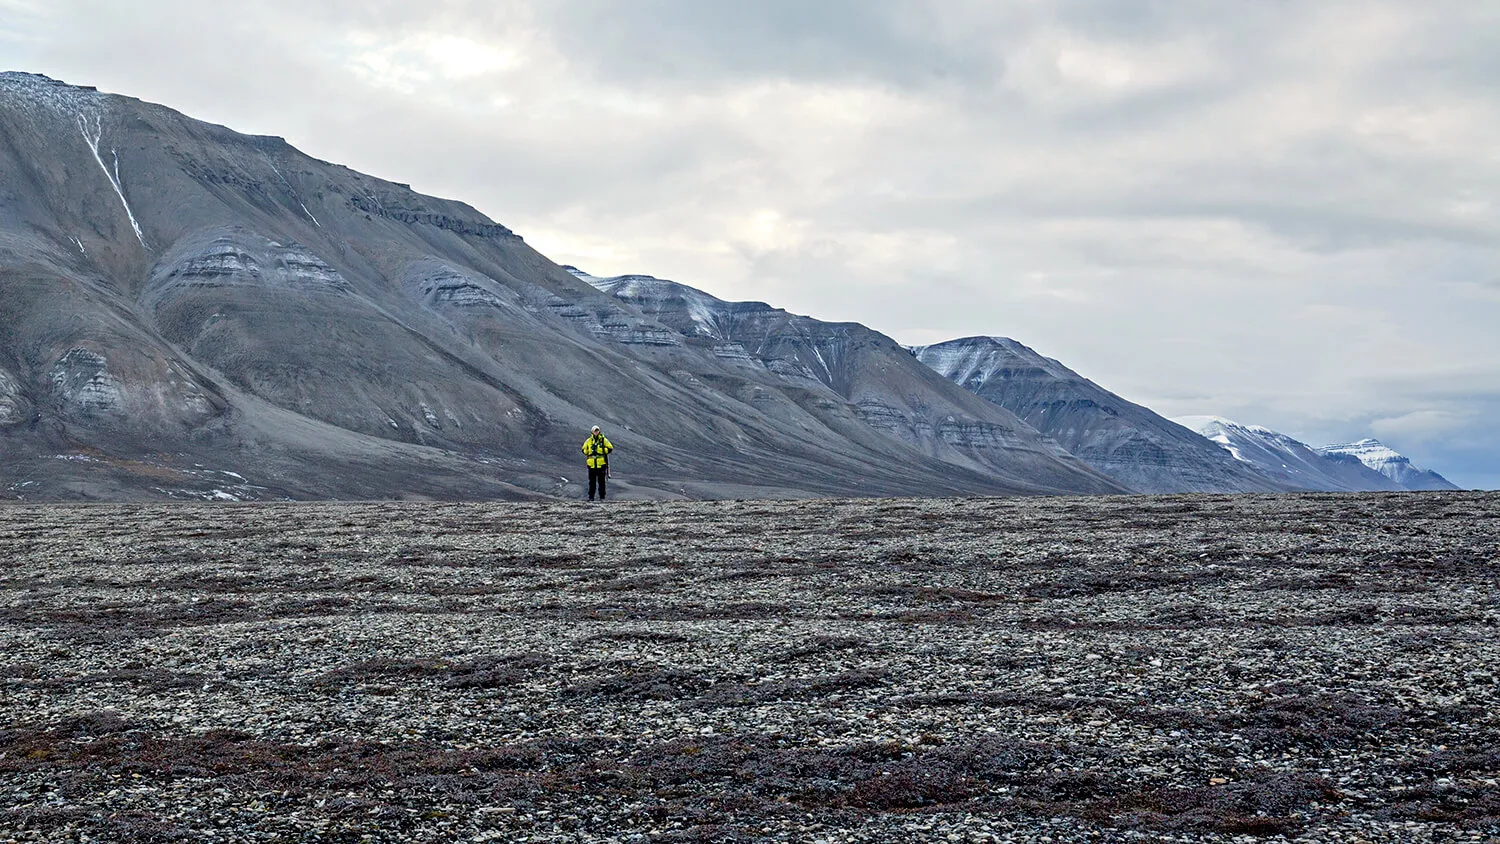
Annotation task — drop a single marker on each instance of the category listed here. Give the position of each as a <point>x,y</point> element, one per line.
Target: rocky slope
<point>1307,668</point>
<point>888,392</point>
<point>1124,440</point>
<point>1294,463</point>
<point>1391,463</point>
<point>188,311</point>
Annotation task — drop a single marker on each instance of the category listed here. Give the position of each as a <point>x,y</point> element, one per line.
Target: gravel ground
<point>1183,668</point>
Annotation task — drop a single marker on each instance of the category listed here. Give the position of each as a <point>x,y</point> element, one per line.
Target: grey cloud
<point>1450,48</point>
<point>691,43</point>
<point>1152,21</point>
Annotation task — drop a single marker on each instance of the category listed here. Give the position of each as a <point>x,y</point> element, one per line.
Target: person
<point>596,451</point>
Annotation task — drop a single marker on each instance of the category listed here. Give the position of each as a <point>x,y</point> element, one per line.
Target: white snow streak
<point>292,189</point>
<point>114,177</point>
<point>702,315</point>
<point>819,355</point>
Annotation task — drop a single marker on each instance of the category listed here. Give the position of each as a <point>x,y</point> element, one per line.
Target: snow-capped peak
<point>35,89</point>
<point>1371,452</point>
<point>1203,423</point>
<point>1218,424</point>
<point>1390,463</point>
<point>653,295</point>
<point>1279,456</point>
<point>1364,465</point>
<point>974,361</point>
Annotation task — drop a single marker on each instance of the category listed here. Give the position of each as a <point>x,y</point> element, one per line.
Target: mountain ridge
<point>1390,463</point>
<point>1126,441</point>
<point>179,301</point>
<point>1274,453</point>
<point>858,363</point>
<point>1150,453</point>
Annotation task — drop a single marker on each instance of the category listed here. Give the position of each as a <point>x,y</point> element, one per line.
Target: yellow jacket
<point>596,451</point>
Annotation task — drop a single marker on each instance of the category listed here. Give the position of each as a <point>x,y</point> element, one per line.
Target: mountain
<point>1124,440</point>
<point>1291,462</point>
<point>186,311</point>
<point>869,373</point>
<point>1390,463</point>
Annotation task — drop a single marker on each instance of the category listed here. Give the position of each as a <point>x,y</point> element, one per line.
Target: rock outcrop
<point>15,408</point>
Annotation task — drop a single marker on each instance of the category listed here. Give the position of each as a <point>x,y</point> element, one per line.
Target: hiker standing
<point>596,451</point>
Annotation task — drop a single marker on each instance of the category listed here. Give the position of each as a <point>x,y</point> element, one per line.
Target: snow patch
<point>289,187</point>
<point>97,127</point>
<point>974,362</point>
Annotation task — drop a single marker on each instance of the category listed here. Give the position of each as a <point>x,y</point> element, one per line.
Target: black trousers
<point>598,477</point>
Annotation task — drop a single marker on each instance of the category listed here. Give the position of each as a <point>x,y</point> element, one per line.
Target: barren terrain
<point>1186,668</point>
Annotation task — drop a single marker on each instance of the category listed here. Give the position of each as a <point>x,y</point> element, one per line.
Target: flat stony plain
<point>1182,668</point>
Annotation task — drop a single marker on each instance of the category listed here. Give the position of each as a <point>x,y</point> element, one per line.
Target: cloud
<point>698,44</point>
<point>19,20</point>
<point>411,62</point>
<point>1421,426</point>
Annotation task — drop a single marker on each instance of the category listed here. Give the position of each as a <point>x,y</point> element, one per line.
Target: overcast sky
<point>1281,212</point>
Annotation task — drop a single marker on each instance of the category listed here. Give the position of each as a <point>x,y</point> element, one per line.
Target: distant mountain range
<point>1124,440</point>
<point>188,312</point>
<point>1393,465</point>
<point>1149,453</point>
<point>1298,465</point>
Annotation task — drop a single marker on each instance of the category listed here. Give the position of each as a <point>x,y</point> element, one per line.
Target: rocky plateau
<point>1194,668</point>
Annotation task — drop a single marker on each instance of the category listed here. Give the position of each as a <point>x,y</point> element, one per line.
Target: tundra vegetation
<point>1184,668</point>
